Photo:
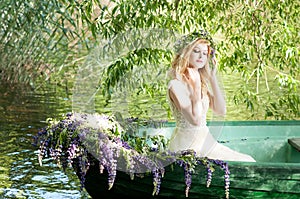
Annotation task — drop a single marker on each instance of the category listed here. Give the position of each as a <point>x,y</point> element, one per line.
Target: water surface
<point>23,112</point>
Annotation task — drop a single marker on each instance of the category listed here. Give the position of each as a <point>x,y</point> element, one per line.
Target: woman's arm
<point>188,100</point>
<point>217,100</point>
<point>191,109</point>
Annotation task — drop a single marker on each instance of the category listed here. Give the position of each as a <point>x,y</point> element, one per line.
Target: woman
<point>190,99</point>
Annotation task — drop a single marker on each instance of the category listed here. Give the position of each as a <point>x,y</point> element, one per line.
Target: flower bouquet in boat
<point>112,157</point>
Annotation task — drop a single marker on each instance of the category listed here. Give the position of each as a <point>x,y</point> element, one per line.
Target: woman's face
<point>199,56</point>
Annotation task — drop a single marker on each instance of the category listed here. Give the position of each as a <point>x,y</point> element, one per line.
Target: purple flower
<point>188,178</point>
<point>209,174</point>
<point>157,175</point>
<point>224,167</point>
<point>64,141</point>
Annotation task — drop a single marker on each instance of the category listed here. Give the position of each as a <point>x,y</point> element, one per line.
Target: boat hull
<point>246,181</point>
<point>276,174</point>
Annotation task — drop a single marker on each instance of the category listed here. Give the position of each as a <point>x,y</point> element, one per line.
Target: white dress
<point>188,136</point>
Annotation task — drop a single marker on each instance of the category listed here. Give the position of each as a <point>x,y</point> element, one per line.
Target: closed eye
<point>199,51</point>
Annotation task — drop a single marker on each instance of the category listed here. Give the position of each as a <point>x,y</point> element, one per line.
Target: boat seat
<point>295,142</point>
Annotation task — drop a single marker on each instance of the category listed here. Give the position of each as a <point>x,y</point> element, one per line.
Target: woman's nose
<point>200,55</point>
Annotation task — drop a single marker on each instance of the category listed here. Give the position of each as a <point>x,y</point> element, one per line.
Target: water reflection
<point>23,112</point>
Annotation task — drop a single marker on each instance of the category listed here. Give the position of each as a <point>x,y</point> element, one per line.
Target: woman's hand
<point>193,78</point>
<point>213,71</point>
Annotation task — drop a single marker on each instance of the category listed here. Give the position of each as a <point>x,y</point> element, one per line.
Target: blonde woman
<point>190,98</point>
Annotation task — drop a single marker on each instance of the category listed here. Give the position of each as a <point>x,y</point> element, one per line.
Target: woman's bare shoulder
<point>179,93</point>
<point>176,84</point>
<point>178,88</point>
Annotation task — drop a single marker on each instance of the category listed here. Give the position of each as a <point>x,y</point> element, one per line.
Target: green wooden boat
<point>276,174</point>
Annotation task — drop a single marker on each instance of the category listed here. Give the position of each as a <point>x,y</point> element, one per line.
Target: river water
<point>23,112</point>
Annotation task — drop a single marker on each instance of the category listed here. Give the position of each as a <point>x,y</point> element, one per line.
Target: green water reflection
<point>23,112</point>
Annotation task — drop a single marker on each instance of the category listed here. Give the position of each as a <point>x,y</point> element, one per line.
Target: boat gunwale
<point>246,123</point>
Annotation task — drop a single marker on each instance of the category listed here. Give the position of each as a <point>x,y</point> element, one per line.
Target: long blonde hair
<point>181,61</point>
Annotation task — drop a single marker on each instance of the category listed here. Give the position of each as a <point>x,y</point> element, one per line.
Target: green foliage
<point>262,47</point>
<point>35,40</point>
<point>255,39</point>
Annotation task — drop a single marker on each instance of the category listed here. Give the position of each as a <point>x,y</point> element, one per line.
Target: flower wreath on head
<point>189,38</point>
